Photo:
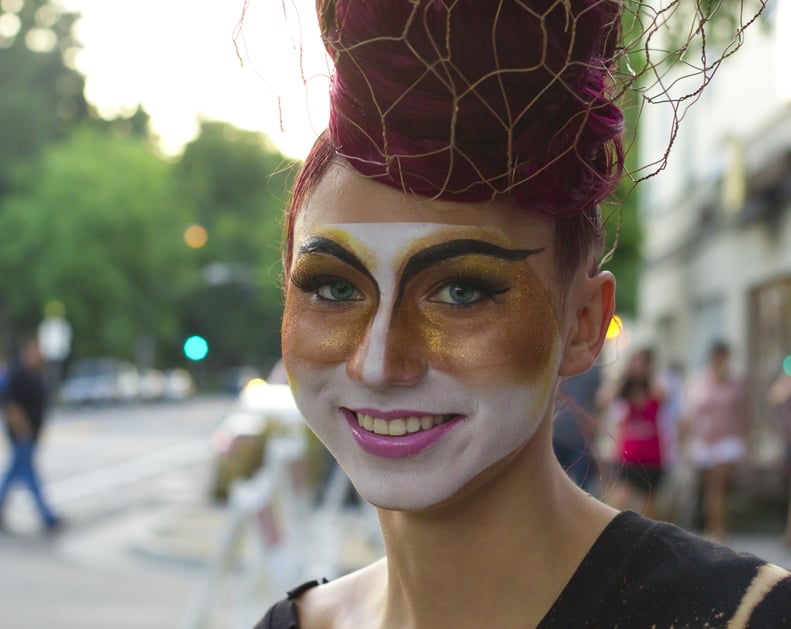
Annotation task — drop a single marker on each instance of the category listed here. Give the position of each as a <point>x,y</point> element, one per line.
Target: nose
<point>389,354</point>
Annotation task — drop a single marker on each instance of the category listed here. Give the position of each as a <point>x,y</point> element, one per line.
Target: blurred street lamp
<point>196,236</point>
<point>615,328</point>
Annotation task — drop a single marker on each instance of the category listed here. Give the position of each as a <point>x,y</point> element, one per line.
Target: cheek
<point>512,342</point>
<point>317,337</point>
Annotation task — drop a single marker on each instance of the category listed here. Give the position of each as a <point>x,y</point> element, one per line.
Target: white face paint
<point>440,330</point>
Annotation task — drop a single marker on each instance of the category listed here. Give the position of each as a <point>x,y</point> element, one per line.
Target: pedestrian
<point>715,426</point>
<point>638,444</point>
<point>575,428</point>
<point>779,396</point>
<point>24,407</point>
<point>441,275</point>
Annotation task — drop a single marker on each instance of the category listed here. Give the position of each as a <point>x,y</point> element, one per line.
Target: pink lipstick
<point>397,434</point>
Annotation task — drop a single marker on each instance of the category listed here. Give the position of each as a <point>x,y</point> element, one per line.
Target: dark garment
<point>26,388</point>
<point>641,574</point>
<point>644,478</point>
<point>576,401</point>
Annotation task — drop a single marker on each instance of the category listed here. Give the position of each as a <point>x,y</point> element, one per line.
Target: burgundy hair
<point>470,99</point>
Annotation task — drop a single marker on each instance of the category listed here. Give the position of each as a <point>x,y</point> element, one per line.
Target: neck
<point>508,545</point>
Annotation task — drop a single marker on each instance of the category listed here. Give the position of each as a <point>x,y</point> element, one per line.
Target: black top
<point>641,574</point>
<point>26,388</point>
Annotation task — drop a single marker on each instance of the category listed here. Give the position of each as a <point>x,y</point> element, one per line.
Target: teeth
<point>400,426</point>
<point>397,427</point>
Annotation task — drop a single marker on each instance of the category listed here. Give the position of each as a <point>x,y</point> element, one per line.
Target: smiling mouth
<point>401,425</point>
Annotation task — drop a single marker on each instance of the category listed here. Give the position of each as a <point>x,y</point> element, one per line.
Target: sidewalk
<point>193,536</point>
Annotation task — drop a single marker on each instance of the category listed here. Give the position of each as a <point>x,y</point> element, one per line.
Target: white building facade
<point>717,220</point>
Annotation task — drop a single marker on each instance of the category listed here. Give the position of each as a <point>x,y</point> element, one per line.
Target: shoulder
<point>670,575</point>
<point>325,605</point>
<point>283,614</point>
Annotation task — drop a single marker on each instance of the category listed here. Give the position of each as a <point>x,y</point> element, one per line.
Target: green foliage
<point>238,182</point>
<point>42,98</point>
<point>97,225</point>
<point>622,220</point>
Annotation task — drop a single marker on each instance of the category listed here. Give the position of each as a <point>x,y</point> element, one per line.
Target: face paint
<point>420,353</point>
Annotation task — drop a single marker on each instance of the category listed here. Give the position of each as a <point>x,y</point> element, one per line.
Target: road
<point>123,477</point>
<point>114,474</point>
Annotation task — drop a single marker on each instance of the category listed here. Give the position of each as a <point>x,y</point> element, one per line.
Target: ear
<point>592,305</point>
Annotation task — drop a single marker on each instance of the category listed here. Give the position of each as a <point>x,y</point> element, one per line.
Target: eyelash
<point>314,284</point>
<point>486,289</point>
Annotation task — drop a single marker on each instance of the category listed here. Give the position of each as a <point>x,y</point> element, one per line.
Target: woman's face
<point>421,337</point>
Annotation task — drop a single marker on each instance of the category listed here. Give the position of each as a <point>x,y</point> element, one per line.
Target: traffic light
<point>196,348</point>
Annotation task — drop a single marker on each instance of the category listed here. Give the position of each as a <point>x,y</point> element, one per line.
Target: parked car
<point>151,385</point>
<point>179,384</point>
<point>239,441</point>
<point>99,381</point>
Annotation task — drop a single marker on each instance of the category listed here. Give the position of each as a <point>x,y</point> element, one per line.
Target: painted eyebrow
<point>320,244</point>
<point>436,254</point>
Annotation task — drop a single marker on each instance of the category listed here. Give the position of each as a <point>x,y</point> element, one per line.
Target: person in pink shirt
<point>637,403</point>
<point>779,396</point>
<point>716,428</point>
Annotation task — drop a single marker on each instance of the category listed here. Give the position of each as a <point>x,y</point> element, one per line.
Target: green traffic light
<point>196,348</point>
<point>787,365</point>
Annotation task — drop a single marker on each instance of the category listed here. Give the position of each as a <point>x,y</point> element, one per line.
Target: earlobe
<point>594,310</point>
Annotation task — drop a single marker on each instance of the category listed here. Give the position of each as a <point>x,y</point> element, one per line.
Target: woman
<point>715,426</point>
<point>639,455</point>
<point>440,279</point>
<point>779,396</point>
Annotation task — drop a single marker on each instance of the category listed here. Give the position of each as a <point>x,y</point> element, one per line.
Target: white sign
<point>54,338</point>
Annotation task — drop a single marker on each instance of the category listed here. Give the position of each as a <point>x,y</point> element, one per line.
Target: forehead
<point>343,197</point>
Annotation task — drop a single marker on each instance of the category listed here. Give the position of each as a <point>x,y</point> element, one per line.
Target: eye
<point>338,290</point>
<point>459,293</point>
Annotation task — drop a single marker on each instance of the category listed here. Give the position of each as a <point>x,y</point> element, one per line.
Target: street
<point>115,474</point>
<point>142,539</point>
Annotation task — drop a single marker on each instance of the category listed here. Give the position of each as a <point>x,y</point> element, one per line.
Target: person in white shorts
<point>716,426</point>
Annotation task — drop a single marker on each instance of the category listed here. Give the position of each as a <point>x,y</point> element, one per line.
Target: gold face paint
<point>316,331</point>
<point>447,313</point>
<point>504,335</point>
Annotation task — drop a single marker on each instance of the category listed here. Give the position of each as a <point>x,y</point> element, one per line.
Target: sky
<point>178,59</point>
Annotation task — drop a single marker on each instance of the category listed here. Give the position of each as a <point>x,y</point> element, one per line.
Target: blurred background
<point>146,152</point>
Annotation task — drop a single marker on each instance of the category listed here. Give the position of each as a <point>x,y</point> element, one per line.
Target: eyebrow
<point>451,249</point>
<point>322,245</point>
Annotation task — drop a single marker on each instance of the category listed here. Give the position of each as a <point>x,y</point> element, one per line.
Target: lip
<point>401,446</point>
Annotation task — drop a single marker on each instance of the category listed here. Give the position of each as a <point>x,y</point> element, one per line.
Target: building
<point>717,220</point>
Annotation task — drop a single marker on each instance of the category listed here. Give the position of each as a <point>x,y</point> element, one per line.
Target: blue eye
<point>458,294</point>
<point>338,290</point>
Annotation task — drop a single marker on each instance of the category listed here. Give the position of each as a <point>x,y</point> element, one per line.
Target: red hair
<point>470,99</point>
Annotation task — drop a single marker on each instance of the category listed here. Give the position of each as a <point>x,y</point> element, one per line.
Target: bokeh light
<point>196,348</point>
<point>615,328</point>
<point>196,236</point>
<point>787,365</point>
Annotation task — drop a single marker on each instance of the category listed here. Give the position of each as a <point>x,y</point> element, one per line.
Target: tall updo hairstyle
<point>468,100</point>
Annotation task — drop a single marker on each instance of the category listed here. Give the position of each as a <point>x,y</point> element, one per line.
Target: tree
<point>97,225</point>
<point>238,182</point>
<point>42,96</point>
